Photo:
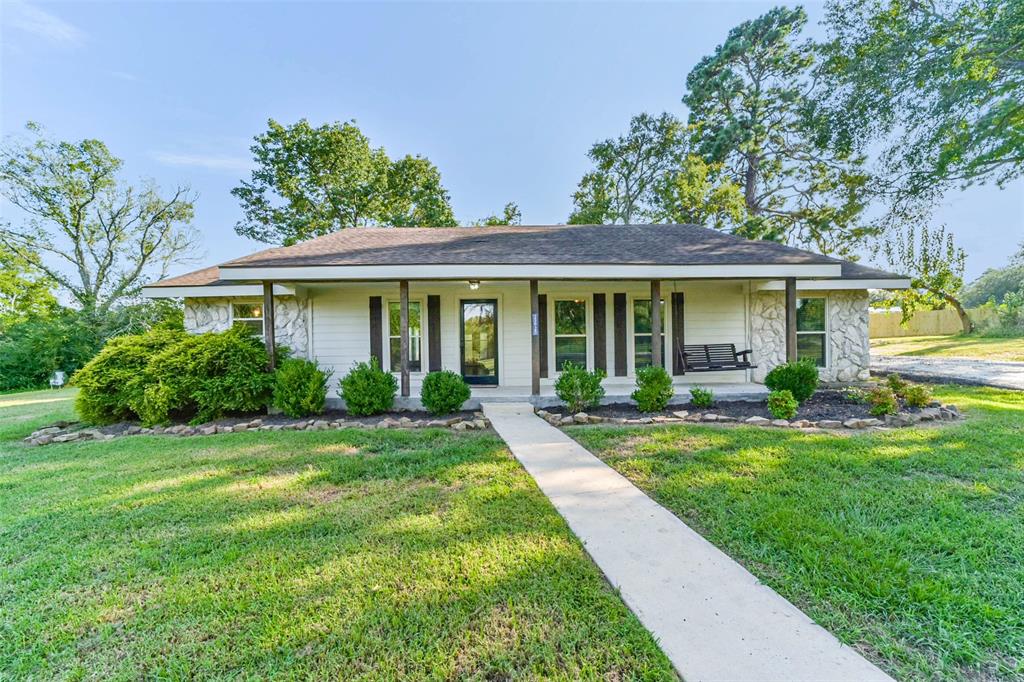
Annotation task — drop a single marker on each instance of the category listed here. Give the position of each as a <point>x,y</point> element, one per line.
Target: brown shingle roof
<point>197,278</point>
<point>538,244</point>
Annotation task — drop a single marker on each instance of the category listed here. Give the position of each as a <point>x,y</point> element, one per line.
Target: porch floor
<point>614,393</point>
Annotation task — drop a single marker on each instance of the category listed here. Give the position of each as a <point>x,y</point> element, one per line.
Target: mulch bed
<point>824,404</point>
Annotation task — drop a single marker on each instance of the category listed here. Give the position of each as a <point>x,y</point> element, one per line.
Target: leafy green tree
<point>751,110</point>
<point>510,215</point>
<point>699,193</point>
<point>939,85</point>
<point>310,181</point>
<point>627,171</point>
<point>935,265</point>
<point>97,238</point>
<point>24,291</point>
<point>995,283</point>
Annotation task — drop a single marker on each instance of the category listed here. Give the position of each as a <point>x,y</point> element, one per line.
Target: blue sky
<point>504,98</point>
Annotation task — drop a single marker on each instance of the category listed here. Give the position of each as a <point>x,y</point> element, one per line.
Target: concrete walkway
<point>712,618</point>
<point>954,370</point>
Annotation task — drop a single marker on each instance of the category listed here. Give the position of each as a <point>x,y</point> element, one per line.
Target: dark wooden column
<point>268,324</point>
<point>656,323</point>
<point>534,339</point>
<point>791,319</point>
<point>403,344</point>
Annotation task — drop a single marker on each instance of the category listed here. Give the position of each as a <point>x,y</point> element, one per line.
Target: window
<point>570,333</point>
<point>810,330</point>
<point>248,315</point>
<point>642,332</point>
<point>395,338</point>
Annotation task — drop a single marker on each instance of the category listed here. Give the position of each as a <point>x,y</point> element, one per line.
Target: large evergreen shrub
<point>799,378</point>
<point>367,389</point>
<point>578,388</point>
<point>653,389</point>
<point>443,392</point>
<point>300,387</point>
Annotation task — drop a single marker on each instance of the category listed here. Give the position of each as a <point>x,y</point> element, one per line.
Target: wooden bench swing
<point>715,357</point>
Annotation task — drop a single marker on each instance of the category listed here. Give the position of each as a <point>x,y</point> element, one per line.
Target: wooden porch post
<point>656,323</point>
<point>268,325</point>
<point>403,298</point>
<point>534,338</point>
<point>791,319</point>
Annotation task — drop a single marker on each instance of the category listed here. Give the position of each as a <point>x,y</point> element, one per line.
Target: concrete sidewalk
<point>712,618</point>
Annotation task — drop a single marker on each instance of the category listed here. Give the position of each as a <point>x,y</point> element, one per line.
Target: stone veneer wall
<point>848,334</point>
<point>214,314</point>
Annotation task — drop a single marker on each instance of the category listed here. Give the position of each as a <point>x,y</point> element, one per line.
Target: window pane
<point>812,347</point>
<point>570,317</point>
<point>254,326</point>
<point>810,315</point>
<point>244,310</point>
<point>396,353</point>
<point>642,317</point>
<point>642,350</point>
<point>395,331</point>
<point>571,349</point>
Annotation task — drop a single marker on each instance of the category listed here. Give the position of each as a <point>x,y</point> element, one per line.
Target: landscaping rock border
<point>68,432</point>
<point>936,413</point>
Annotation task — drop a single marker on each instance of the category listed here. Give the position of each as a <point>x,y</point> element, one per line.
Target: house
<point>507,306</point>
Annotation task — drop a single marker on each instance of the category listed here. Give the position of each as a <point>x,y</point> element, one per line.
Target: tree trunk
<point>750,185</point>
<point>965,320</point>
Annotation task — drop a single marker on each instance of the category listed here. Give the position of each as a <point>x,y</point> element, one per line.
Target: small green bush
<point>701,397</point>
<point>300,388</point>
<point>112,382</point>
<point>855,394</point>
<point>882,401</point>
<point>578,388</point>
<point>799,378</point>
<point>896,383</point>
<point>653,389</point>
<point>782,404</point>
<point>367,389</point>
<point>443,392</point>
<point>916,395</point>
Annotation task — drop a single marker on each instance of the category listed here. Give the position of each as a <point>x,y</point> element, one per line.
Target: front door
<point>480,342</point>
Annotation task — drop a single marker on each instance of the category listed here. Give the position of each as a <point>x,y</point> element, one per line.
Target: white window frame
<point>587,329</point>
<point>232,318</point>
<point>397,334</point>
<point>666,331</point>
<point>826,332</point>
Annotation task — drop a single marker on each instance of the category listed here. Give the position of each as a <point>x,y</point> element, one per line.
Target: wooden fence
<point>924,322</point>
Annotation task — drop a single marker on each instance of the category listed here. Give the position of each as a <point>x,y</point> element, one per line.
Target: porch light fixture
<point>474,284</point>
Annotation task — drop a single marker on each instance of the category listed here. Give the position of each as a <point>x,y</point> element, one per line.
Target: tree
<point>995,283</point>
<point>510,215</point>
<point>312,181</point>
<point>627,169</point>
<point>698,193</point>
<point>97,238</point>
<point>751,110</point>
<point>939,84</point>
<point>935,265</point>
<point>24,291</point>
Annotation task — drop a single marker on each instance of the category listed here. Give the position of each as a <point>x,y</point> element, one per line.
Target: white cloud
<point>226,163</point>
<point>124,76</point>
<point>38,22</point>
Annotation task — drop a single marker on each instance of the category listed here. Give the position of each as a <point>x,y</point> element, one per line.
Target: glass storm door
<point>480,342</point>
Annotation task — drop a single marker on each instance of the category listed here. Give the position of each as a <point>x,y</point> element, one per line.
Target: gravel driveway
<point>953,370</point>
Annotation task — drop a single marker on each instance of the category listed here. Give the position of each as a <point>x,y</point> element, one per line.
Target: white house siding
<point>291,324</point>
<point>847,330</point>
<point>715,313</point>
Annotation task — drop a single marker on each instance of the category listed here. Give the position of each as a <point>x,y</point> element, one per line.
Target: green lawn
<point>956,346</point>
<point>352,554</point>
<point>908,544</point>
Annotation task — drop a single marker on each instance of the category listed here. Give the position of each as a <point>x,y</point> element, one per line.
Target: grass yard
<point>908,544</point>
<point>346,555</point>
<point>956,346</point>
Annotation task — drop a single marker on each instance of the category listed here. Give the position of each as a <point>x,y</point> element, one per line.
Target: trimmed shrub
<point>443,392</point>
<point>799,378</point>
<point>782,404</point>
<point>112,383</point>
<point>701,397</point>
<point>206,376</point>
<point>882,401</point>
<point>653,389</point>
<point>916,395</point>
<point>855,394</point>
<point>578,388</point>
<point>367,389</point>
<point>896,383</point>
<point>300,388</point>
